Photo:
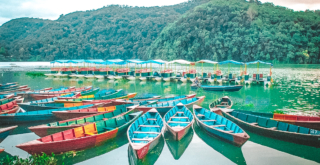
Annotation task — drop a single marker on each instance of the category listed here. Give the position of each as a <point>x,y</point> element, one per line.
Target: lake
<point>297,90</point>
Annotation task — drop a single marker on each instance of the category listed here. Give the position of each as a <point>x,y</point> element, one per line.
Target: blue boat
<point>160,100</point>
<point>218,88</point>
<point>144,134</point>
<point>220,127</point>
<point>35,116</point>
<point>164,107</point>
<point>178,121</point>
<point>4,132</point>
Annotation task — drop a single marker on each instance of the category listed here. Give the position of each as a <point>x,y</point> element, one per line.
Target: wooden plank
<point>146,132</point>
<point>149,126</point>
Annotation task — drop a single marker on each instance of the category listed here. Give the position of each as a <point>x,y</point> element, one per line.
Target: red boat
<point>80,138</point>
<point>64,115</point>
<point>304,121</point>
<point>51,128</point>
<point>8,108</point>
<point>46,95</point>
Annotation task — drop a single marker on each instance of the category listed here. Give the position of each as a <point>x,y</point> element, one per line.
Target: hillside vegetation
<point>110,32</point>
<point>239,30</point>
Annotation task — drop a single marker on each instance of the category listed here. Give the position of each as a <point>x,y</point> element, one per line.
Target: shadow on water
<point>306,152</point>
<point>83,155</point>
<point>150,158</point>
<point>177,148</point>
<point>230,151</point>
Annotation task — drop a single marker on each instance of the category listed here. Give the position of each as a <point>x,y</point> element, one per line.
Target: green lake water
<point>297,90</point>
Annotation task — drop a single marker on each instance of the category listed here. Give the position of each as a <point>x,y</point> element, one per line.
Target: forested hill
<point>110,32</point>
<point>239,30</point>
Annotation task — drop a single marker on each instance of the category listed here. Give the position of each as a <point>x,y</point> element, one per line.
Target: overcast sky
<point>52,9</point>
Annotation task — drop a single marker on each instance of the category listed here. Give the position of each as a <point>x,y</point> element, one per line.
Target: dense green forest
<point>198,29</point>
<point>241,30</point>
<point>110,32</point>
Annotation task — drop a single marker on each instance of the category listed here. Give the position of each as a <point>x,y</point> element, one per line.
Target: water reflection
<point>177,148</point>
<point>150,158</point>
<point>230,151</point>
<point>307,152</point>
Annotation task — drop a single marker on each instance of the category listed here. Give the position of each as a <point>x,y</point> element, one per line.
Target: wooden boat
<point>9,107</point>
<point>271,128</point>
<point>224,102</point>
<point>59,93</point>
<point>160,100</point>
<point>83,94</point>
<point>177,148</point>
<point>228,150</point>
<point>218,88</point>
<point>4,132</point>
<point>35,116</point>
<point>164,107</point>
<point>304,121</point>
<point>220,127</point>
<point>178,121</point>
<point>113,111</point>
<point>145,132</point>
<point>103,108</point>
<point>80,138</point>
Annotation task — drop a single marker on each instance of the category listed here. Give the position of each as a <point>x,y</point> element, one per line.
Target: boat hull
<point>4,132</point>
<point>178,135</point>
<point>304,139</point>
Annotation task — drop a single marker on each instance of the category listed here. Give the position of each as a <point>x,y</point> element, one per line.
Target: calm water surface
<point>297,91</point>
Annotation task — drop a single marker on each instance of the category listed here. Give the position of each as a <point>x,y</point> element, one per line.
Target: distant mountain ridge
<point>110,32</point>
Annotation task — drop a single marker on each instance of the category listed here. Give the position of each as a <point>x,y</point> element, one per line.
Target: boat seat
<point>229,131</point>
<point>147,132</point>
<point>217,125</point>
<point>180,112</point>
<point>152,119</point>
<point>177,122</point>
<point>138,139</point>
<point>200,115</point>
<point>149,126</point>
<point>91,134</point>
<point>180,117</point>
<point>207,120</point>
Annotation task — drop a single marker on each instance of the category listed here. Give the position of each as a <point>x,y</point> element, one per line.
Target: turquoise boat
<point>4,132</point>
<point>144,134</point>
<point>35,116</point>
<point>178,121</point>
<point>164,107</point>
<point>220,127</point>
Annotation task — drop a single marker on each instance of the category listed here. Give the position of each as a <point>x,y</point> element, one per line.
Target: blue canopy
<point>94,61</point>
<point>59,61</point>
<point>231,62</point>
<point>136,61</point>
<point>258,61</point>
<point>76,61</point>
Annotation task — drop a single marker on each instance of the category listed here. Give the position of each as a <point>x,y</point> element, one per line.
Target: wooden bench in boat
<point>229,131</point>
<point>152,119</point>
<point>217,125</point>
<point>177,122</point>
<point>147,132</point>
<point>200,115</point>
<point>207,120</point>
<point>179,112</point>
<point>138,139</point>
<point>180,117</point>
<point>149,126</point>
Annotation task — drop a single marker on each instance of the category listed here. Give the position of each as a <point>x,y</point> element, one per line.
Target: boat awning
<point>258,61</point>
<point>76,61</point>
<point>136,61</point>
<point>207,61</point>
<point>59,61</point>
<point>97,61</point>
<point>231,62</point>
<point>181,62</point>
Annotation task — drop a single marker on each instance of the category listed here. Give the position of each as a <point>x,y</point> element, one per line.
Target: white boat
<point>99,76</point>
<point>111,77</point>
<point>73,75</point>
<point>80,76</point>
<point>158,78</point>
<point>167,79</point>
<point>49,75</point>
<point>89,76</point>
<point>143,78</point>
<point>131,78</point>
<point>117,77</point>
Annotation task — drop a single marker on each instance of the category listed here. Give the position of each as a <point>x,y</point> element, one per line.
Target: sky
<point>52,9</point>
